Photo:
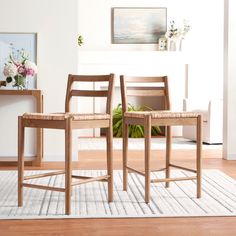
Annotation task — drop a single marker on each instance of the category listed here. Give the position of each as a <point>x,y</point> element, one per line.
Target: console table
<point>37,94</point>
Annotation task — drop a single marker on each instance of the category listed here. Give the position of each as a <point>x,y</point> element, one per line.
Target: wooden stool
<point>134,86</point>
<point>68,121</point>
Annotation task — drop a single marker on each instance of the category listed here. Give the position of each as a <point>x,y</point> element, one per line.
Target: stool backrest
<point>107,93</point>
<point>137,87</point>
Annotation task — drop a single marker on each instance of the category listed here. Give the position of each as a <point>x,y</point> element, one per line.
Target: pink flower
<point>30,72</point>
<point>10,70</point>
<point>21,70</point>
<point>31,68</point>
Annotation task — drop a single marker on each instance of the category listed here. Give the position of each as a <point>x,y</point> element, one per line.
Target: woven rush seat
<point>161,114</point>
<point>63,116</point>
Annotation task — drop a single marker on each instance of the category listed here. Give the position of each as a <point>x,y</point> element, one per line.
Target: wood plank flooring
<point>199,226</point>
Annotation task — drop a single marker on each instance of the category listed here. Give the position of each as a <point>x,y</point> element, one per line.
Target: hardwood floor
<point>204,226</point>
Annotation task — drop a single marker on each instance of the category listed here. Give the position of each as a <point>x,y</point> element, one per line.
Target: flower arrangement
<point>18,68</point>
<point>175,33</point>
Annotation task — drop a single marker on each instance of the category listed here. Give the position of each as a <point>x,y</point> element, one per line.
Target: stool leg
<point>147,137</point>
<point>109,139</point>
<point>68,169</point>
<point>168,153</point>
<point>125,155</point>
<point>21,139</point>
<point>199,155</point>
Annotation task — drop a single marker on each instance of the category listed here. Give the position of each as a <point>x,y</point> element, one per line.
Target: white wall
<point>229,147</point>
<point>56,22</point>
<point>95,21</point>
<point>206,53</point>
<point>203,45</point>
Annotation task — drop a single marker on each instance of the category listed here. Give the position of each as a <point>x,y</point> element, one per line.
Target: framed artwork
<point>14,43</point>
<point>138,25</point>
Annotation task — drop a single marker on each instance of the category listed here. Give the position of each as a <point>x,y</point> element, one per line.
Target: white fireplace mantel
<point>136,63</point>
<point>127,57</point>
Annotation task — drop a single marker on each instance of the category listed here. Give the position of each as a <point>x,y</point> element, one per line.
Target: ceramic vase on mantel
<point>174,44</point>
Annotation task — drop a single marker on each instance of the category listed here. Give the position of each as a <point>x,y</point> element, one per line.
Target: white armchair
<point>212,115</point>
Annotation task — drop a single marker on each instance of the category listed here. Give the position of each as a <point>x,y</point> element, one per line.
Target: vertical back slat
<point>123,93</point>
<point>167,97</point>
<point>110,94</point>
<point>68,97</point>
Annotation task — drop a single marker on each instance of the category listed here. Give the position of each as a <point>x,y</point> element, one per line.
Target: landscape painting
<point>138,25</point>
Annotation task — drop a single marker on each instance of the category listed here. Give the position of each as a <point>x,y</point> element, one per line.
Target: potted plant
<point>135,131</point>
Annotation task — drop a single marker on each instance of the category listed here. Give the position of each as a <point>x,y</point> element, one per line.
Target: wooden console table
<point>37,94</point>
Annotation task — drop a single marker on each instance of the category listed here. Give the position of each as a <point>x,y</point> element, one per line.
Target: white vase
<point>179,45</point>
<point>171,45</point>
<point>174,44</point>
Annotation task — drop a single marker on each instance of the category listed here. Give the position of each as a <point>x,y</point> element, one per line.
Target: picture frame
<point>14,42</point>
<point>138,25</point>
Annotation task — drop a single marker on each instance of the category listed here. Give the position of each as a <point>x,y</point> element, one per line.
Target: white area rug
<point>90,200</point>
<point>138,144</point>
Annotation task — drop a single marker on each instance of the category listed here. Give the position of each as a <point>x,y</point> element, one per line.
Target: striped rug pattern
<point>90,200</point>
<point>138,144</point>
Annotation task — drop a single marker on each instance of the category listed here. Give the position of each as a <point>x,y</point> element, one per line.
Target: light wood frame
<point>147,121</point>
<point>68,124</point>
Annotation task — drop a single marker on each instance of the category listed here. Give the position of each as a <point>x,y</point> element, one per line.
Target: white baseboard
<point>230,157</point>
<point>58,158</point>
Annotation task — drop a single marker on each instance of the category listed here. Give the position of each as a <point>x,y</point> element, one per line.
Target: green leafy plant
<point>80,40</point>
<point>135,131</point>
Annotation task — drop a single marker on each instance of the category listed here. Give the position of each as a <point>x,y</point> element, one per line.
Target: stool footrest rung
<point>43,187</point>
<point>44,175</point>
<point>161,169</point>
<point>86,177</point>
<point>136,171</point>
<point>91,179</point>
<point>183,168</point>
<point>173,179</point>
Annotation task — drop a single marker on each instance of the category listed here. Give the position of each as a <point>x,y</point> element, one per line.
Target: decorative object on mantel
<point>162,44</point>
<point>138,25</point>
<point>175,35</point>
<point>18,69</point>
<point>80,40</point>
